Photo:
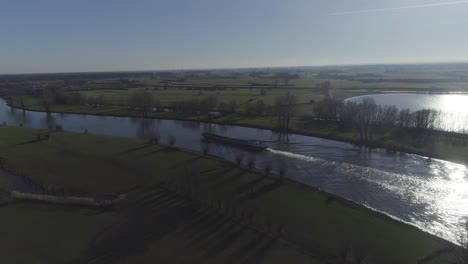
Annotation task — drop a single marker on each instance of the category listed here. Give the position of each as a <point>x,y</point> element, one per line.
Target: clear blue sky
<point>107,35</point>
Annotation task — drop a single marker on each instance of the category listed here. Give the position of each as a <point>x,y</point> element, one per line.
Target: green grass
<point>390,80</point>
<point>105,164</point>
<point>242,96</point>
<point>33,233</point>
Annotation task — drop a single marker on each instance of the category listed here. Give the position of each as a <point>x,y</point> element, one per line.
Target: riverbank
<point>314,220</point>
<point>448,146</point>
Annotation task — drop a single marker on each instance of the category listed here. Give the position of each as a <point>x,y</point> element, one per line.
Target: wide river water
<point>430,194</point>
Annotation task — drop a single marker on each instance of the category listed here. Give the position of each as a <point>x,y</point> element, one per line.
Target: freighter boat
<point>249,144</point>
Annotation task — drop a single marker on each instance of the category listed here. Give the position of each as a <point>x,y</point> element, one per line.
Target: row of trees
<point>284,106</point>
<point>367,114</point>
<point>363,115</point>
<point>204,104</point>
<point>144,102</point>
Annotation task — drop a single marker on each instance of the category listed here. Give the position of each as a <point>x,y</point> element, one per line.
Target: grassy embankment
<point>442,145</point>
<point>160,226</point>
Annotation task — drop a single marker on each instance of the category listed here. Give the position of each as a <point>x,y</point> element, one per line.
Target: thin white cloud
<point>399,8</point>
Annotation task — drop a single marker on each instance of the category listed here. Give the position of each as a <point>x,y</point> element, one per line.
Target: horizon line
<point>245,68</point>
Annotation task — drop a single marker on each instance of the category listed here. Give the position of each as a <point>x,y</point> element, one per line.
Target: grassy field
<point>34,233</point>
<point>158,225</point>
<point>242,96</point>
<point>365,77</point>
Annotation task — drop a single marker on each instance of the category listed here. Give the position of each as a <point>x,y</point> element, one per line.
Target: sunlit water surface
<point>432,195</point>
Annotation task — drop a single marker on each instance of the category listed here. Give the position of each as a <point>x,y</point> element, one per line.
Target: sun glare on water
<point>454,103</point>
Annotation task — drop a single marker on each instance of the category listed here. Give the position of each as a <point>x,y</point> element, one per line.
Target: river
<point>432,195</point>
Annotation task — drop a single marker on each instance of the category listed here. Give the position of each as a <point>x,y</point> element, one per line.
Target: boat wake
<point>294,155</point>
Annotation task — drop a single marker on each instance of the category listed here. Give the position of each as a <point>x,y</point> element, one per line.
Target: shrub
<point>205,148</point>
<point>267,168</point>
<point>172,140</point>
<point>251,163</point>
<point>239,158</point>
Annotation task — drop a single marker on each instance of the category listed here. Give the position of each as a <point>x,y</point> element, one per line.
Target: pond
<point>432,195</point>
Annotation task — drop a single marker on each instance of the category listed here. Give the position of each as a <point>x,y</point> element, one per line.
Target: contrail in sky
<point>399,8</point>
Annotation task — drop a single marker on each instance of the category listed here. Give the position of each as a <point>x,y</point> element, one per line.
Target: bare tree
<point>326,87</point>
<point>232,106</point>
<point>362,115</point>
<point>239,158</point>
<point>267,168</point>
<point>251,162</point>
<point>249,108</point>
<point>172,140</point>
<point>205,148</point>
<point>142,101</point>
<point>282,168</point>
<point>327,109</point>
<point>284,108</point>
<point>259,107</point>
<point>405,118</point>
<point>155,137</point>
<point>425,119</point>
<point>208,103</point>
<point>47,101</point>
<point>286,77</point>
<point>20,100</point>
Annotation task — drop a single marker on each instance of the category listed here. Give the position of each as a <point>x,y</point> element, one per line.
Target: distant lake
<point>453,106</point>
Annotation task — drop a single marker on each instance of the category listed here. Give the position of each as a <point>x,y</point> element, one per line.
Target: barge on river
<point>248,144</point>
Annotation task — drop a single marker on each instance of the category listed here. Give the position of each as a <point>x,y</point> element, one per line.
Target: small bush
<point>172,140</point>
<point>156,139</point>
<point>282,169</point>
<point>251,163</point>
<point>238,159</point>
<point>205,148</point>
<point>267,168</point>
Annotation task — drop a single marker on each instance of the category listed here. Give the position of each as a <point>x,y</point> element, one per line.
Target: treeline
<point>73,76</point>
<point>366,114</point>
<point>204,104</point>
<point>283,108</point>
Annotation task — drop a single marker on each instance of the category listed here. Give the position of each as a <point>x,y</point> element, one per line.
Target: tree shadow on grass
<point>160,150</point>
<point>258,254</point>
<point>264,189</point>
<point>249,185</point>
<point>144,224</point>
<point>29,142</point>
<point>217,235</point>
<point>217,175</point>
<point>186,162</point>
<point>254,250</point>
<point>241,253</point>
<point>230,178</point>
<point>224,240</point>
<point>135,149</point>
<point>156,214</point>
<point>198,219</point>
<point>210,224</point>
